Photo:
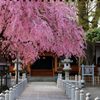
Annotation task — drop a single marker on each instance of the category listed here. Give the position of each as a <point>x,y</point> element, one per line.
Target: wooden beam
<point>55,63</point>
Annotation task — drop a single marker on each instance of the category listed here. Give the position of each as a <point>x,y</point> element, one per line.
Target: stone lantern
<point>4,67</point>
<point>19,67</point>
<point>67,68</point>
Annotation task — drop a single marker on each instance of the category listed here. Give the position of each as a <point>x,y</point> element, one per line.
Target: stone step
<point>41,79</point>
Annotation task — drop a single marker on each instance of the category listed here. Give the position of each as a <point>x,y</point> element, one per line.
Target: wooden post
<point>28,68</point>
<point>55,63</point>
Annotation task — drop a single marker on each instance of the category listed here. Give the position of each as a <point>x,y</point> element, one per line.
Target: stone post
<point>11,94</point>
<point>60,71</point>
<point>79,81</point>
<point>14,92</point>
<point>2,96</point>
<point>76,93</point>
<point>73,93</point>
<point>59,74</point>
<point>75,77</point>
<point>6,95</point>
<point>67,89</point>
<point>24,76</point>
<point>18,89</point>
<point>21,87</point>
<point>88,96</point>
<point>82,83</point>
<point>25,82</point>
<point>60,84</point>
<point>81,95</point>
<point>97,98</point>
<point>64,87</point>
<point>10,74</point>
<point>76,80</point>
<point>24,85</point>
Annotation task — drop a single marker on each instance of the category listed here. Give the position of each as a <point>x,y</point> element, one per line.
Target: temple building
<point>97,55</point>
<point>48,63</point>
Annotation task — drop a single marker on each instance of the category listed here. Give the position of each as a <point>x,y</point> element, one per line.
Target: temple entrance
<point>43,66</point>
<point>44,62</point>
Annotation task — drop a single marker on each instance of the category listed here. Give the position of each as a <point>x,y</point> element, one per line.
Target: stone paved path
<point>42,91</point>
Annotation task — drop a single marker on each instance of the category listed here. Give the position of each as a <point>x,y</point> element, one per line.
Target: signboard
<point>88,70</point>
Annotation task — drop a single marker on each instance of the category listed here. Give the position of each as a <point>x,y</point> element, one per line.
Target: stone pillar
<point>59,75</point>
<point>2,96</point>
<point>59,71</point>
<point>11,94</point>
<point>97,98</point>
<point>82,95</point>
<point>19,67</point>
<point>88,96</point>
<point>6,95</point>
<point>76,93</point>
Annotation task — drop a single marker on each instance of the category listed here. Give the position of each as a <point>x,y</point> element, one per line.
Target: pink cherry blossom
<point>31,27</point>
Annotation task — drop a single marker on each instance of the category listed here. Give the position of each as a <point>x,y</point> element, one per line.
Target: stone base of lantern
<point>67,73</point>
<point>16,73</point>
<point>59,75</point>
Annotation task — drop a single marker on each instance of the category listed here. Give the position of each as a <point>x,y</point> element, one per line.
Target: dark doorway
<point>98,61</point>
<point>45,62</point>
